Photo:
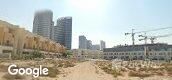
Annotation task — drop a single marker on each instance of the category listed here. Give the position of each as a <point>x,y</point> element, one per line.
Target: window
<point>122,53</point>
<point>168,53</point>
<point>155,53</point>
<point>6,51</point>
<point>164,53</point>
<point>150,53</point>
<point>8,43</point>
<point>119,53</point>
<point>140,53</point>
<point>160,53</point>
<point>24,45</point>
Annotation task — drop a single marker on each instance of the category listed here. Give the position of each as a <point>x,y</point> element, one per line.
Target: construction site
<point>149,61</point>
<point>152,51</point>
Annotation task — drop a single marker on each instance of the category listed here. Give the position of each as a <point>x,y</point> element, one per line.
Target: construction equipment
<point>145,37</point>
<point>152,38</point>
<point>133,33</point>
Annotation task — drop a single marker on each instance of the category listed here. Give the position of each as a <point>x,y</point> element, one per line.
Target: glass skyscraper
<point>43,24</point>
<point>63,31</point>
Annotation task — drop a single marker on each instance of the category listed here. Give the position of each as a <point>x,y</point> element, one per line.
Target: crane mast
<point>134,33</point>
<point>152,38</point>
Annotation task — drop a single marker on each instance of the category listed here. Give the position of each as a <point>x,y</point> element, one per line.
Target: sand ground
<point>89,71</point>
<point>85,71</point>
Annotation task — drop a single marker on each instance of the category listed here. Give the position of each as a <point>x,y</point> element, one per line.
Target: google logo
<point>36,72</point>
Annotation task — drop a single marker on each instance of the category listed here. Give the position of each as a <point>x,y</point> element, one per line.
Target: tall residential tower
<point>63,31</point>
<point>43,24</point>
<point>82,42</point>
<point>102,45</point>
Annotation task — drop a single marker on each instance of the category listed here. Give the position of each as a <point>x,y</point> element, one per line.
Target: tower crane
<point>133,33</point>
<point>152,38</point>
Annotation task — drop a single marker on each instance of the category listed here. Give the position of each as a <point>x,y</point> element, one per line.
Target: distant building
<point>157,51</point>
<point>82,42</point>
<point>43,24</point>
<point>63,31</point>
<point>96,47</point>
<point>87,54</point>
<point>102,45</point>
<point>89,44</point>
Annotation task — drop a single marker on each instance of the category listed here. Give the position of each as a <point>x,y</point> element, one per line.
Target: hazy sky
<point>106,20</point>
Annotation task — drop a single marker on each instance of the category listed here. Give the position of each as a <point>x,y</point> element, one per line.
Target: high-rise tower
<point>63,31</point>
<point>43,24</point>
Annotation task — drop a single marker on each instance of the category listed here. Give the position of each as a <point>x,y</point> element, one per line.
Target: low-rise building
<point>87,54</point>
<point>140,52</point>
<point>96,47</point>
<point>18,42</point>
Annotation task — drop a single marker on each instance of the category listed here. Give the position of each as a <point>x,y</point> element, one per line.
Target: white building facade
<point>87,54</point>
<point>102,45</point>
<point>137,52</point>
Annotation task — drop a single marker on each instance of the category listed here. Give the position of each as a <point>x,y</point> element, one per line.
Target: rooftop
<point>151,47</point>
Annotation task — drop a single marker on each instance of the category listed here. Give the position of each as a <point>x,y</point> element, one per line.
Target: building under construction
<point>157,51</point>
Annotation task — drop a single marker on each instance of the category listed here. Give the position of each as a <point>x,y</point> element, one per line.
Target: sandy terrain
<point>87,70</point>
<point>84,71</point>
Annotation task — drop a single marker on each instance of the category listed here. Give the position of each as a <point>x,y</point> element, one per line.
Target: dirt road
<point>84,71</point>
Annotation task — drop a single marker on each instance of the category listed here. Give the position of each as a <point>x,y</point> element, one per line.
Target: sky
<point>106,20</point>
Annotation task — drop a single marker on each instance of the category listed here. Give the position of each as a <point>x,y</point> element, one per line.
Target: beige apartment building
<point>87,54</point>
<point>18,42</point>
